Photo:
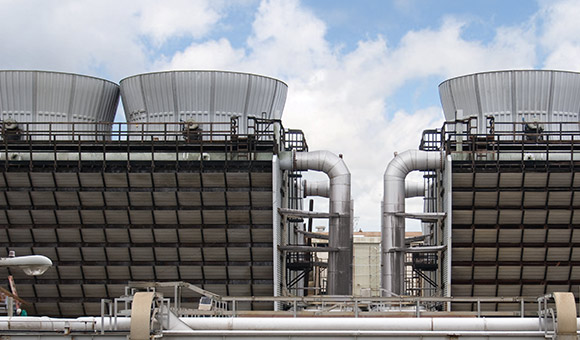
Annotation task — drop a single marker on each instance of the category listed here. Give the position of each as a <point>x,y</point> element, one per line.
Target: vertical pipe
<point>276,203</point>
<point>393,224</point>
<point>340,228</point>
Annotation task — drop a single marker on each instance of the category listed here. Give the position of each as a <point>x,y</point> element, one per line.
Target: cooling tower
<point>513,96</point>
<point>202,97</point>
<point>53,97</point>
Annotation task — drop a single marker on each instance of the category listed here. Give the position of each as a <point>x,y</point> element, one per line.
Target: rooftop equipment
<point>191,199</point>
<point>197,97</point>
<point>507,186</point>
<point>340,224</point>
<point>513,97</point>
<point>52,98</point>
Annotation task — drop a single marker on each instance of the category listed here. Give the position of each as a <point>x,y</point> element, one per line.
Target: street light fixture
<point>31,264</point>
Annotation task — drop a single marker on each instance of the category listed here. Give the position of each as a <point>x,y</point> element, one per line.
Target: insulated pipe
<point>82,324</point>
<point>340,228</point>
<point>451,324</point>
<point>414,189</point>
<point>393,226</point>
<point>261,324</point>
<point>320,188</point>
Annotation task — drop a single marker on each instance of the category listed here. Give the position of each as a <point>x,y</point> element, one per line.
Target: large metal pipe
<point>451,324</point>
<point>340,228</point>
<point>319,188</point>
<point>82,324</point>
<point>414,189</point>
<point>393,224</point>
<point>261,325</point>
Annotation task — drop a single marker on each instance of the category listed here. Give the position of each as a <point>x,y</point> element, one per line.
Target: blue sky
<point>362,75</point>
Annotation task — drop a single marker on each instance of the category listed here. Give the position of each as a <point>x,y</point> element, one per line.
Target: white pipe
<point>340,228</point>
<point>261,325</point>
<point>414,188</point>
<point>377,324</point>
<point>393,226</point>
<point>358,334</point>
<point>83,324</point>
<point>318,188</point>
<point>425,249</point>
<point>276,232</point>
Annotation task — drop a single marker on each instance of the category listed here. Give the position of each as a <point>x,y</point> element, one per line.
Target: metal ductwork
<point>340,228</point>
<point>414,189</point>
<point>319,188</point>
<point>393,221</point>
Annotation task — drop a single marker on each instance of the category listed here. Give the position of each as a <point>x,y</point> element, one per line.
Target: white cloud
<point>163,19</point>
<point>97,37</point>
<point>561,34</point>
<point>213,54</point>
<point>340,100</point>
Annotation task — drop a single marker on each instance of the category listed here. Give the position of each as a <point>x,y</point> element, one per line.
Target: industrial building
<point>183,191</point>
<point>200,194</point>
<point>500,183</point>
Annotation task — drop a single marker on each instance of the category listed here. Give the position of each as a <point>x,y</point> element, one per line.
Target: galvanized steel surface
<point>340,229</point>
<point>52,97</point>
<point>510,96</point>
<point>393,226</point>
<point>201,96</point>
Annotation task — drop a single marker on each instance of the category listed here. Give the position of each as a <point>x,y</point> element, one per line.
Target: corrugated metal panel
<point>495,92</point>
<point>279,101</point>
<point>447,100</point>
<point>204,96</point>
<point>16,95</point>
<point>532,95</point>
<point>136,103</point>
<point>547,96</point>
<point>194,95</point>
<point>37,96</point>
<point>566,90</point>
<point>465,96</point>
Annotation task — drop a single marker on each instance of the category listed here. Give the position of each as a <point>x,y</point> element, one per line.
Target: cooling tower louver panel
<point>530,248</point>
<point>103,229</point>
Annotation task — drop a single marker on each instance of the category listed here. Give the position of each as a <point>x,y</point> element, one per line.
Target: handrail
<point>463,135</point>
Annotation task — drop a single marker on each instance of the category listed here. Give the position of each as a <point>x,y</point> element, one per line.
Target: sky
<point>363,75</point>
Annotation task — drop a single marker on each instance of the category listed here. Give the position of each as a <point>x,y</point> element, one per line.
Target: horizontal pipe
<point>307,249</point>
<point>82,324</point>
<point>414,188</point>
<point>318,188</point>
<point>453,324</point>
<point>428,326</point>
<point>356,334</point>
<point>425,249</point>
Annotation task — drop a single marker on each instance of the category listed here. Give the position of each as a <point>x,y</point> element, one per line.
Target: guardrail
<point>467,136</point>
